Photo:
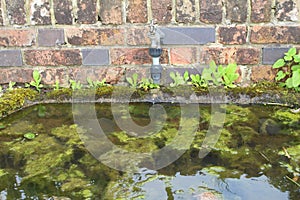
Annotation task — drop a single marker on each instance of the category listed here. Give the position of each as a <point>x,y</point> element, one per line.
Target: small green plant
<point>133,81</point>
<point>178,79</point>
<point>37,78</point>
<point>11,85</point>
<point>56,85</point>
<point>197,81</point>
<point>288,74</point>
<point>147,84</point>
<point>96,84</point>
<point>75,85</point>
<point>219,75</point>
<point>229,75</point>
<point>1,89</point>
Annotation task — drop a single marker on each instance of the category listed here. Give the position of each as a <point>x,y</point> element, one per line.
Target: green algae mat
<point>52,151</point>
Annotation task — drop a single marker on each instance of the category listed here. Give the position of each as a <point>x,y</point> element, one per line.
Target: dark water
<point>256,155</point>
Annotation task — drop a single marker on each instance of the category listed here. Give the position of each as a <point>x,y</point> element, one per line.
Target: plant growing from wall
<point>96,84</point>
<point>133,81</point>
<point>75,85</point>
<point>56,85</point>
<point>178,79</point>
<point>198,81</point>
<point>288,74</point>
<point>219,75</point>
<point>37,78</point>
<point>147,84</point>
<point>11,85</point>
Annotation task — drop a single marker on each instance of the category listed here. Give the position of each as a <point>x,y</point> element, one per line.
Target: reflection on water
<point>256,157</point>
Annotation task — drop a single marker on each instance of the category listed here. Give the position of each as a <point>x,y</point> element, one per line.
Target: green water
<point>257,155</point>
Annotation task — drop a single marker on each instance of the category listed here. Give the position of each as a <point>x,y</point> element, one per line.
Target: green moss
<point>60,94</point>
<point>15,99</point>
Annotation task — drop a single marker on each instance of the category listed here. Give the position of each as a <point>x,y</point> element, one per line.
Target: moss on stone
<point>16,99</point>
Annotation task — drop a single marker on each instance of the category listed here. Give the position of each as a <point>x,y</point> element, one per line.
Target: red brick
<point>162,10</point>
<point>260,73</point>
<point>51,75</point>
<point>137,11</point>
<point>226,55</point>
<point>236,11</point>
<point>17,38</point>
<point>112,75</point>
<point>19,75</point>
<point>211,11</point>
<point>138,36</point>
<point>185,11</point>
<point>183,55</point>
<point>261,10</point>
<point>16,11</point>
<point>93,36</point>
<point>135,56</point>
<point>111,11</point>
<point>275,34</point>
<point>86,11</point>
<point>53,57</point>
<point>232,35</point>
<point>40,12</point>
<point>248,56</point>
<point>63,11</point>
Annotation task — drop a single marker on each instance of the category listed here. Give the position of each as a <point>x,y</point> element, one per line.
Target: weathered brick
<point>137,56</point>
<point>261,73</point>
<point>52,57</point>
<point>16,11</point>
<point>1,12</point>
<point>63,11</point>
<point>162,10</point>
<point>86,11</point>
<point>111,11</point>
<point>51,37</point>
<point>93,36</point>
<point>236,11</point>
<point>142,71</point>
<point>137,11</point>
<point>261,10</point>
<point>275,34</point>
<point>17,38</point>
<point>112,75</point>
<point>272,54</point>
<point>226,55</point>
<point>10,58</point>
<point>247,56</point>
<point>188,35</point>
<point>286,10</point>
<point>138,36</point>
<point>40,12</point>
<point>183,55</point>
<point>95,57</point>
<point>185,11</point>
<point>19,75</point>
<point>211,11</point>
<point>232,35</point>
<point>53,74</point>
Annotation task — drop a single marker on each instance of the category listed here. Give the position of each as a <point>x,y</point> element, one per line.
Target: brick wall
<point>108,38</point>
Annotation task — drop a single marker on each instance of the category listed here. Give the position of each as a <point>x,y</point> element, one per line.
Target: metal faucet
<point>155,51</point>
